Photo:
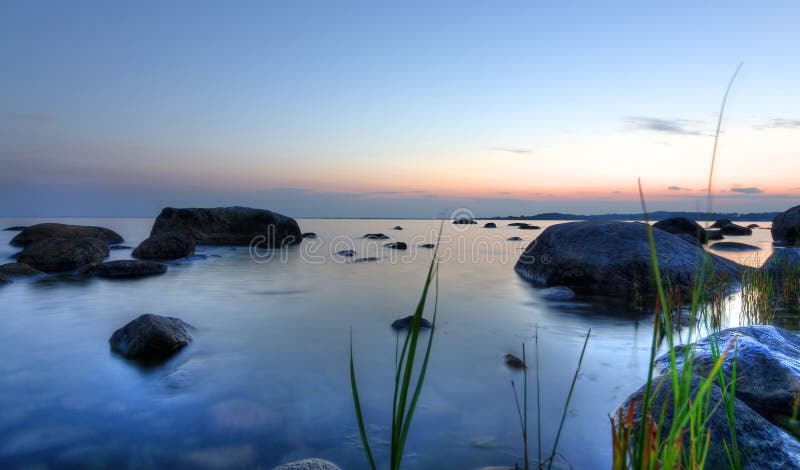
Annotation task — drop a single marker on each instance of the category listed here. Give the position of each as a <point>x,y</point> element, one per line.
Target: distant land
<point>658,215</point>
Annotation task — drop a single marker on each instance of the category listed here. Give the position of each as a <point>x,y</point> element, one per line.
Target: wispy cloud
<point>667,126</point>
<point>516,150</point>
<point>747,190</point>
<point>779,123</point>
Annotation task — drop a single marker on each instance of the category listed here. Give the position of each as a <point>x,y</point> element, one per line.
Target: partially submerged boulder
<point>786,227</point>
<point>682,225</point>
<point>40,232</point>
<point>514,362</point>
<point>397,227</point>
<point>170,245</point>
<point>127,269</point>
<point>428,245</point>
<point>613,258</point>
<point>18,270</point>
<point>151,337</point>
<point>60,255</point>
<point>233,226</point>
<point>346,253</point>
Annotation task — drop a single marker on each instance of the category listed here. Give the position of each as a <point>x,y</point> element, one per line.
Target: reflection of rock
<point>405,323</point>
<point>244,415</point>
<point>308,464</point>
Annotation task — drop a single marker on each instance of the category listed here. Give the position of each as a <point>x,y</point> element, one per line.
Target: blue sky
<point>406,109</point>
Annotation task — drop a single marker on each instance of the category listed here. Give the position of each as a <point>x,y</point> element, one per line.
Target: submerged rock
<point>489,225</point>
<point>613,258</point>
<point>786,226</point>
<point>557,293</point>
<point>235,226</point>
<point>733,246</point>
<point>18,269</point>
<point>683,225</point>
<point>397,245</point>
<point>514,362</point>
<point>308,464</point>
<point>310,235</point>
<point>126,269</point>
<point>761,443</point>
<point>151,337</point>
<point>41,232</point>
<point>346,253</point>
<point>376,236</point>
<point>172,245</point>
<point>60,255</point>
<point>405,323</point>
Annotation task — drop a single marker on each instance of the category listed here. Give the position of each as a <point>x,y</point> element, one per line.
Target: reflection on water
<point>266,379</point>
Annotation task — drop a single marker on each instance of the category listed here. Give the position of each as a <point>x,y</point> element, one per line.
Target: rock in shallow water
<point>376,236</point>
<point>489,225</point>
<point>308,464</point>
<point>733,246</point>
<point>18,269</point>
<point>405,323</point>
<point>165,246</point>
<point>40,232</point>
<point>60,255</point>
<point>397,245</point>
<point>514,362</point>
<point>126,269</point>
<point>683,225</point>
<point>428,245</point>
<point>151,337</point>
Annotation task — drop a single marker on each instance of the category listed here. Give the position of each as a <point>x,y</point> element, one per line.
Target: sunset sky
<point>401,109</point>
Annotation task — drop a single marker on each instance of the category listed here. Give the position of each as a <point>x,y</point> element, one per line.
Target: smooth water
<point>266,379</point>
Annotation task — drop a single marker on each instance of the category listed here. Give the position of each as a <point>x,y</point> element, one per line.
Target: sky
<point>396,109</point>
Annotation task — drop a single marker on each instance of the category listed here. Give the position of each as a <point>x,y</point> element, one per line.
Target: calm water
<point>266,379</point>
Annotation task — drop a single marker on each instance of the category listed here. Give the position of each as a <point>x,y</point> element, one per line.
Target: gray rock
<point>376,236</point>
<point>767,366</point>
<point>60,255</point>
<point>489,225</point>
<point>397,245</point>
<point>233,226</point>
<point>308,464</point>
<point>405,323</point>
<point>40,232</point>
<point>682,225</point>
<point>786,226</point>
<point>172,245</point>
<point>733,246</point>
<point>613,258</point>
<point>762,445</point>
<point>18,270</point>
<point>557,293</point>
<point>151,337</point>
<point>126,269</point>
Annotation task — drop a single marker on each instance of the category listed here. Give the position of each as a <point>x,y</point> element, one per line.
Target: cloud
<point>747,190</point>
<point>779,123</point>
<point>677,188</point>
<point>667,126</point>
<point>392,193</point>
<point>516,150</point>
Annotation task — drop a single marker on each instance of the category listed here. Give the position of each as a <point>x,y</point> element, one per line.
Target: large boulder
<point>127,268</point>
<point>762,445</point>
<point>783,263</point>
<point>613,258</point>
<point>18,270</point>
<point>170,245</point>
<point>767,366</point>
<point>786,227</point>
<point>682,225</point>
<point>234,226</point>
<point>151,337</point>
<point>39,232</point>
<point>60,255</point>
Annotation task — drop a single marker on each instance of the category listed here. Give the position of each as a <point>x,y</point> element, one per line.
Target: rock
<point>4,279</point>
<point>311,235</point>
<point>397,227</point>
<point>613,258</point>
<point>679,225</point>
<point>464,222</point>
<point>736,230</point>
<point>119,247</point>
<point>761,443</point>
<point>783,262</point>
<point>308,464</point>
<point>733,246</point>
<point>151,337</point>
<point>173,245</point>
<point>786,226</point>
<point>17,228</point>
<point>557,293</point>
<point>366,260</point>
<point>40,232</point>
<point>721,223</point>
<point>489,225</point>
<point>397,245</point>
<point>376,236</point>
<point>125,269</point>
<point>514,239</point>
<point>60,255</point>
<point>514,362</point>
<point>405,323</point>
<point>428,245</point>
<point>517,224</point>
<point>232,226</point>
<point>753,226</point>
<point>529,227</point>
<point>347,253</point>
<point>714,234</point>
<point>18,269</point>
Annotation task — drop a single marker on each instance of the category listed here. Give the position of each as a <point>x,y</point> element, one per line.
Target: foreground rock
<point>172,245</point>
<point>733,246</point>
<point>127,269</point>
<point>761,444</point>
<point>308,464</point>
<point>767,366</point>
<point>682,225</point>
<point>405,323</point>
<point>58,255</point>
<point>557,293</point>
<point>397,245</point>
<point>40,232</point>
<point>613,258</point>
<point>233,226</point>
<point>18,270</point>
<point>786,227</point>
<point>151,337</point>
